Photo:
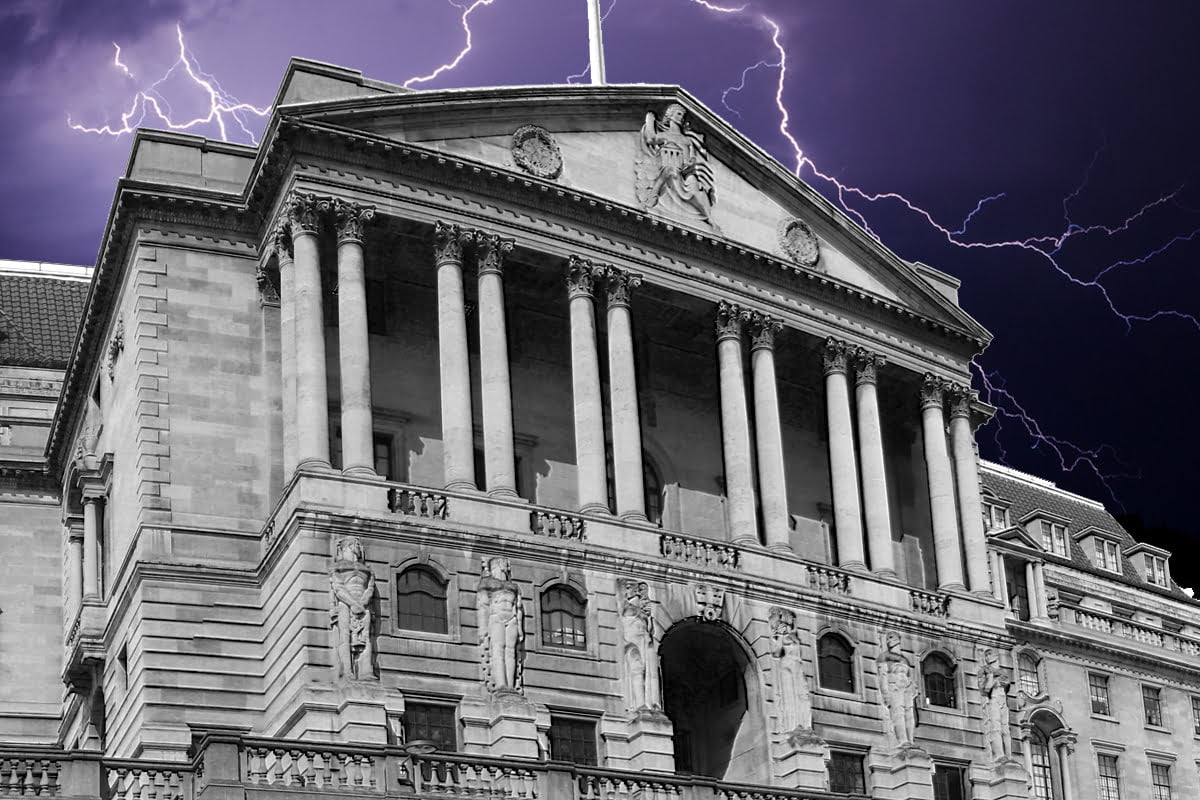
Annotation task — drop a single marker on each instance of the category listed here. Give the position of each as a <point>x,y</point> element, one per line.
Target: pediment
<point>1016,535</point>
<point>655,149</point>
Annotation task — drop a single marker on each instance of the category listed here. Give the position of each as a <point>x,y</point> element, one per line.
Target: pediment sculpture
<point>672,171</point>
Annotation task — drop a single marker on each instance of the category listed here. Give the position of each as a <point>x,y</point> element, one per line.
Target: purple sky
<point>943,101</point>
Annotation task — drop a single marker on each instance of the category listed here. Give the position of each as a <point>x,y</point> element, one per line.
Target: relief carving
<point>791,686</point>
<point>898,688</point>
<point>798,241</point>
<point>671,169</point>
<point>501,619</point>
<point>351,593</point>
<point>993,685</point>
<point>710,602</point>
<point>535,150</point>
<point>643,691</point>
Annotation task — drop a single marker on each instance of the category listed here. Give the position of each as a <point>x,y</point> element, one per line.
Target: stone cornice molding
<point>933,390</point>
<point>581,277</point>
<point>762,331</point>
<point>729,321</point>
<point>835,356</point>
<point>866,366</point>
<point>351,219</point>
<point>491,251</point>
<point>620,285</point>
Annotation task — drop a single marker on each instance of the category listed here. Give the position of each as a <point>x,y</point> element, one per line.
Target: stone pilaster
<point>304,213</point>
<point>458,431</point>
<point>966,471</point>
<point>843,465</point>
<point>735,424</point>
<point>585,386</point>
<point>772,480</point>
<point>874,478</point>
<point>358,453</point>
<point>499,460</point>
<point>623,397</point>
<point>946,545</point>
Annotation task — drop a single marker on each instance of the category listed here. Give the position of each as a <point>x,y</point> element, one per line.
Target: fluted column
<point>735,424</point>
<point>74,567</point>
<point>499,461</point>
<point>946,548</point>
<point>877,512</point>
<point>354,341</point>
<point>843,465</point>
<point>91,546</point>
<point>585,387</point>
<point>772,480</point>
<point>282,240</point>
<point>458,429</point>
<point>623,398</point>
<point>966,470</point>
<point>304,213</point>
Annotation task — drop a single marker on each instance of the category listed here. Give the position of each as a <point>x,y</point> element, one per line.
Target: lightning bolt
<point>746,72</point>
<point>221,104</point>
<point>466,26</point>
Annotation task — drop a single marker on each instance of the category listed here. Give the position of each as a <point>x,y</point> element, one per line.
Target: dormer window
<point>1054,537</point>
<point>1108,555</point>
<point>1156,570</point>
<point>995,517</point>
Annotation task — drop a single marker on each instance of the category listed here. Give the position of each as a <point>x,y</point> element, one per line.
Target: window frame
<point>1156,571</point>
<point>536,642</point>
<point>405,636</point>
<point>1115,757</point>
<point>1195,699</point>
<point>859,757</point>
<point>432,702</point>
<point>1054,538</point>
<point>1107,678</point>
<point>575,717</point>
<point>964,782</point>
<point>1039,679</point>
<point>995,516</point>
<point>1152,706</point>
<point>852,668</point>
<point>580,598</point>
<point>1156,763</point>
<point>1105,548</point>
<point>952,677</point>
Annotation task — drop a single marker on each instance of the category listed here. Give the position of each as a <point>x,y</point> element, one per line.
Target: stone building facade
<point>552,442</point>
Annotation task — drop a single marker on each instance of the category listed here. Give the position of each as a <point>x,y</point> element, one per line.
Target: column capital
<point>351,219</point>
<point>866,365</point>
<point>961,399</point>
<point>281,242</point>
<point>835,356</point>
<point>933,391</point>
<point>491,250</point>
<point>762,331</point>
<point>304,211</point>
<point>581,277</point>
<point>1064,738</point>
<point>620,285</point>
<point>730,319</point>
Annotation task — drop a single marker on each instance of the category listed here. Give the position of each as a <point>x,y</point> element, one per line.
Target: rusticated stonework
<point>535,150</point>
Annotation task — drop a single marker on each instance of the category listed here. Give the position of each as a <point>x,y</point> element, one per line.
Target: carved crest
<point>710,602</point>
<point>535,150</point>
<point>798,241</point>
<point>671,169</point>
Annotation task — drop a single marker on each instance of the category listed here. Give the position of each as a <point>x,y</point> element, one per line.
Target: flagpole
<point>595,43</point>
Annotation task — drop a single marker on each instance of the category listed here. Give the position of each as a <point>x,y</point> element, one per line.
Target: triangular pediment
<point>1016,535</point>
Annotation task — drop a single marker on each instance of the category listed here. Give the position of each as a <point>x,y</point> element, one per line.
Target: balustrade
<point>459,777</point>
<point>132,780</point>
<point>29,777</point>
<point>937,605</point>
<point>556,525</point>
<point>596,785</point>
<point>824,579</point>
<point>697,551</point>
<point>418,503</point>
<point>313,767</point>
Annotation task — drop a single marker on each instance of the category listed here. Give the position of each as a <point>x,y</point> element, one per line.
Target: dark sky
<point>1081,113</point>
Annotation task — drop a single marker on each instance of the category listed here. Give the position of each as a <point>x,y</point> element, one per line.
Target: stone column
<point>354,341</point>
<point>1037,592</point>
<point>1064,742</point>
<point>843,466</point>
<point>966,470</point>
<point>585,388</point>
<point>772,480</point>
<point>74,567</point>
<point>304,213</point>
<point>997,576</point>
<point>282,239</point>
<point>91,546</point>
<point>946,547</point>
<point>499,461</point>
<point>874,479</point>
<point>458,427</point>
<point>623,398</point>
<point>735,425</point>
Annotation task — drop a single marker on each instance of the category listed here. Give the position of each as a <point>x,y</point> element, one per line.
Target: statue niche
<point>501,620</point>
<point>351,593</point>
<point>671,169</point>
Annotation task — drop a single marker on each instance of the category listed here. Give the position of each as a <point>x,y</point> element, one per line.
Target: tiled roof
<point>1027,494</point>
<point>38,319</point>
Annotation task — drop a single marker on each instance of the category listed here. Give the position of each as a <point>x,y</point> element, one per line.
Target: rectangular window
<point>1054,538</point>
<point>995,518</point>
<point>573,740</point>
<point>1160,781</point>
<point>1108,555</point>
<point>949,783</point>
<point>1017,588</point>
<point>1156,570</point>
<point>1152,704</point>
<point>382,444</point>
<point>1110,779</point>
<point>1098,690</point>
<point>846,774</point>
<point>1196,715</point>
<point>433,722</point>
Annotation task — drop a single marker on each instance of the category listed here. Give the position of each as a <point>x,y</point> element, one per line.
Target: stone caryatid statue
<point>501,620</point>
<point>639,655</point>
<point>791,686</point>
<point>671,170</point>
<point>898,687</point>
<point>351,592</point>
<point>993,686</point>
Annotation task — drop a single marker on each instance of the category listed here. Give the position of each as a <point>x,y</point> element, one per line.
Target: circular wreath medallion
<point>535,151</point>
<point>799,242</point>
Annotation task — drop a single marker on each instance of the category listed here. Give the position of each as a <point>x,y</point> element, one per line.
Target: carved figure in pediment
<point>791,686</point>
<point>671,169</point>
<point>993,685</point>
<point>640,652</point>
<point>898,687</point>
<point>501,627</point>
<point>351,593</point>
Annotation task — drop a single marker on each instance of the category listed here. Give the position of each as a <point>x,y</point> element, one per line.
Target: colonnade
<point>754,464</point>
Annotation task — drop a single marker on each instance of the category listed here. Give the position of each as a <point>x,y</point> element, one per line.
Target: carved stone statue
<point>501,627</point>
<point>351,592</point>
<point>791,686</point>
<point>993,685</point>
<point>671,169</point>
<point>640,653</point>
<point>898,687</point>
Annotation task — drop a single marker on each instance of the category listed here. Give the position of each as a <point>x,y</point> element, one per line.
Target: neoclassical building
<point>550,442</point>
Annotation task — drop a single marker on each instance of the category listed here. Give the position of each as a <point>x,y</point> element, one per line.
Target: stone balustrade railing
<point>698,551</point>
<point>828,579</point>
<point>932,603</point>
<point>1128,629</point>
<point>418,503</point>
<point>136,780</point>
<point>557,525</point>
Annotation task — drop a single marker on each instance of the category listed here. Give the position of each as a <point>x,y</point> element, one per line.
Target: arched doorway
<point>711,694</point>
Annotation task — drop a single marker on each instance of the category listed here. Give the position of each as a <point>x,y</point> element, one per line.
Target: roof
<point>38,319</point>
<point>1027,494</point>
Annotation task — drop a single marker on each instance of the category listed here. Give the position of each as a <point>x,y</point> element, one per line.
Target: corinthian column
<point>499,462</point>
<point>772,483</point>
<point>735,424</point>
<point>966,470</point>
<point>304,213</point>
<point>843,466</point>
<point>623,398</point>
<point>358,452</point>
<point>874,479</point>
<point>458,432</point>
<point>947,552</point>
<point>585,387</point>
<point>282,240</point>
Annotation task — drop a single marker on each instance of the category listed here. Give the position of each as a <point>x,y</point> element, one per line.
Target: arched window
<point>421,601</point>
<point>564,618</point>
<point>835,663</point>
<point>653,489</point>
<point>1028,679</point>
<point>937,672</point>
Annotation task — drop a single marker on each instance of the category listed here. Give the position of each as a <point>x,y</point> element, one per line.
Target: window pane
<point>834,664</point>
<point>846,773</point>
<point>1027,672</point>
<point>938,674</point>
<point>1152,704</point>
<point>431,721</point>
<point>421,601</point>
<point>948,783</point>
<point>1160,778</point>
<point>573,740</point>
<point>1098,690</point>
<point>564,618</point>
<point>383,456</point>
<point>1039,754</point>
<point>1196,715</point>
<point>1109,786</point>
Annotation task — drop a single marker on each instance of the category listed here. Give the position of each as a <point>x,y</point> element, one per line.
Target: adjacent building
<point>544,442</point>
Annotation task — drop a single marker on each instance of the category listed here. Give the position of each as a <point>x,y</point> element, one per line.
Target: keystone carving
<point>710,601</point>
